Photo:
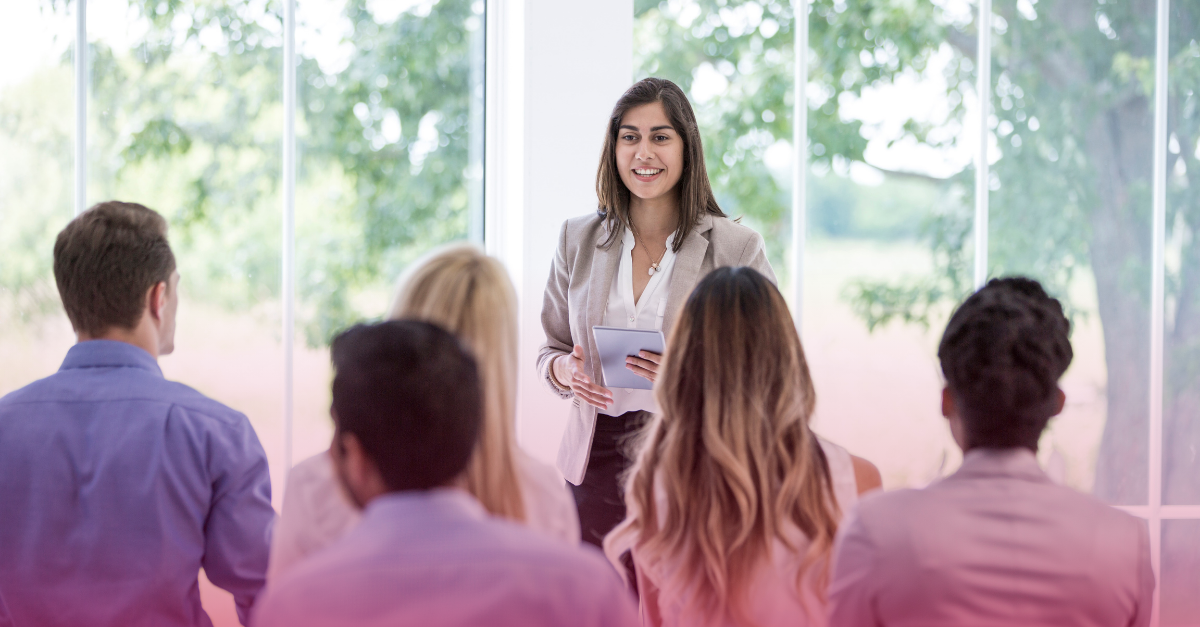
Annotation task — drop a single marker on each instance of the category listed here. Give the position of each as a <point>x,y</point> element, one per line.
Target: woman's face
<point>649,151</point>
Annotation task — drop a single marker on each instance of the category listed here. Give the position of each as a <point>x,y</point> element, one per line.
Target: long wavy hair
<point>731,456</point>
<point>469,294</point>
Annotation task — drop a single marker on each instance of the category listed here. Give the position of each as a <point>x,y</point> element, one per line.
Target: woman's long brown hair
<point>695,192</point>
<point>731,455</point>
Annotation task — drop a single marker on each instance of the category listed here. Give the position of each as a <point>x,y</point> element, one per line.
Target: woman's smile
<point>646,175</point>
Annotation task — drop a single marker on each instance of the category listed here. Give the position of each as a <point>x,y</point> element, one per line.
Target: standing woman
<point>632,264</point>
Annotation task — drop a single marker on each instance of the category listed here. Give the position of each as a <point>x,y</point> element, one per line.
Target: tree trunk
<point>1120,146</point>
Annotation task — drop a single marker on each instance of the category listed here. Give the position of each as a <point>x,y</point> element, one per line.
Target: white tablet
<point>617,343</point>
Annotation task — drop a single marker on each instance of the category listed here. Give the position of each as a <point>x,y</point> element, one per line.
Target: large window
<point>185,106</point>
<point>924,180</point>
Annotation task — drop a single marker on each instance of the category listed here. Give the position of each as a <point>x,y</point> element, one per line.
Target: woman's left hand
<point>645,365</point>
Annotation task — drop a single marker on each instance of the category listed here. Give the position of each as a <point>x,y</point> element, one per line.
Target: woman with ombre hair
<point>733,502</point>
<point>469,294</point>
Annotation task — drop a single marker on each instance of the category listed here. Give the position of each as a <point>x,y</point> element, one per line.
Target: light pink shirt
<point>316,511</point>
<point>995,544</point>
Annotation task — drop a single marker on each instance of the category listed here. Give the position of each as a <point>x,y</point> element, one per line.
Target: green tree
<point>188,119</point>
<point>1073,86</point>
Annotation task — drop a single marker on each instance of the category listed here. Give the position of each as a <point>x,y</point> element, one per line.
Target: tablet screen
<point>615,344</point>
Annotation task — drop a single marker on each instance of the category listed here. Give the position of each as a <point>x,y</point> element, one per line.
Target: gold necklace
<point>653,264</point>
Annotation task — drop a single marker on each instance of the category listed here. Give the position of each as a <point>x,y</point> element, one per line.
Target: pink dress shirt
<point>996,544</point>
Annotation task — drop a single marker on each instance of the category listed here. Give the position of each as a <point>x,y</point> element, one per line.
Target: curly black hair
<point>1002,354</point>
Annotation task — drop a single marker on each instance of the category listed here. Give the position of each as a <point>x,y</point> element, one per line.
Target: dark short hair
<point>695,192</point>
<point>411,394</point>
<point>1002,354</point>
<point>105,261</point>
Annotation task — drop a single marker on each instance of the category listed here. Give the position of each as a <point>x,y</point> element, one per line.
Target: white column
<point>1157,294</point>
<point>287,291</point>
<point>555,71</point>
<point>983,69</point>
<point>799,159</point>
<point>81,96</point>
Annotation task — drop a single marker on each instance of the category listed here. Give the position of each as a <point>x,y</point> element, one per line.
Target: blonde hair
<point>468,293</point>
<point>731,455</point>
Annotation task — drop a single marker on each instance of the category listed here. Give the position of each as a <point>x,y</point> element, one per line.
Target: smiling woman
<point>658,231</point>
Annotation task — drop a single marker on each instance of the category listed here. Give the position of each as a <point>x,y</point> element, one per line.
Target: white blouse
<point>773,596</point>
<point>316,510</point>
<point>646,313</point>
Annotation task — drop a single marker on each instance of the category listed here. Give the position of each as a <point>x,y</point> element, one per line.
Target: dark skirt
<point>600,499</point>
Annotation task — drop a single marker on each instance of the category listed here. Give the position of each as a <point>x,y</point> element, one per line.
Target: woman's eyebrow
<point>659,128</point>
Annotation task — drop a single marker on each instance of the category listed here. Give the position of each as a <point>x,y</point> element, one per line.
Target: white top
<point>646,313</point>
<point>436,558</point>
<point>316,510</point>
<point>774,599</point>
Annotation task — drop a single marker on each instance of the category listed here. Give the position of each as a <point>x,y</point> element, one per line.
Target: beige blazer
<point>577,295</point>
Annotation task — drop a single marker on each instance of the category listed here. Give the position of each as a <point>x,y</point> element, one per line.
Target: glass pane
<point>734,60</point>
<point>1179,580</point>
<point>891,208</point>
<point>37,185</point>
<point>1070,205</point>
<point>1181,398</point>
<point>390,130</point>
<point>184,117</point>
<point>889,191</point>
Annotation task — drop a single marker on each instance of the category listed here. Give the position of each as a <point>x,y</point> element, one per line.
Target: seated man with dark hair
<point>407,409</point>
<point>996,543</point>
<point>116,485</point>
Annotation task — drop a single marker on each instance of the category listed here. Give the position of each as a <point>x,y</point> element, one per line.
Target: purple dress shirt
<point>116,487</point>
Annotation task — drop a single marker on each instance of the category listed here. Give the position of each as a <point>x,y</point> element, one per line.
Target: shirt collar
<point>109,354</point>
<point>1018,462</point>
<point>437,503</point>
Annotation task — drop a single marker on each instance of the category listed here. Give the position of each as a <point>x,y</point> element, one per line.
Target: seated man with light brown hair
<point>116,485</point>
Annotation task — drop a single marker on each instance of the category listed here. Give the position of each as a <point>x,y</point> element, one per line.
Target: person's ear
<point>948,408</point>
<point>358,472</point>
<point>156,300</point>
<point>1059,402</point>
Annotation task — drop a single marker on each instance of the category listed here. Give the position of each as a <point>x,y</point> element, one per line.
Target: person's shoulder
<point>198,406</point>
<point>732,231</point>
<point>539,476</point>
<point>1089,510</point>
<point>31,392</point>
<point>517,543</point>
<point>319,467</point>
<point>549,507</point>
<point>892,508</point>
<point>585,222</point>
<point>584,228</point>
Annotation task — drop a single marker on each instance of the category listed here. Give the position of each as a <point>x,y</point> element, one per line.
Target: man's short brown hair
<point>106,260</point>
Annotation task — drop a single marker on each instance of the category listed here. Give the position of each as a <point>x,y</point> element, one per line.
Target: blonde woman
<point>732,501</point>
<point>468,293</point>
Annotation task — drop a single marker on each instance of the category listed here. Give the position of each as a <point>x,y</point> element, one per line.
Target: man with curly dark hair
<point>997,542</point>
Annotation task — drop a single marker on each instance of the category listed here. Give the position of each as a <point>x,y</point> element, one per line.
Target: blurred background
<point>185,105</point>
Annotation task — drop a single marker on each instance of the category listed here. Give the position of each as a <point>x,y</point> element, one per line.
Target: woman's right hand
<point>569,370</point>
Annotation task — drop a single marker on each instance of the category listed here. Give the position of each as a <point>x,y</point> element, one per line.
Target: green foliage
<point>187,118</point>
